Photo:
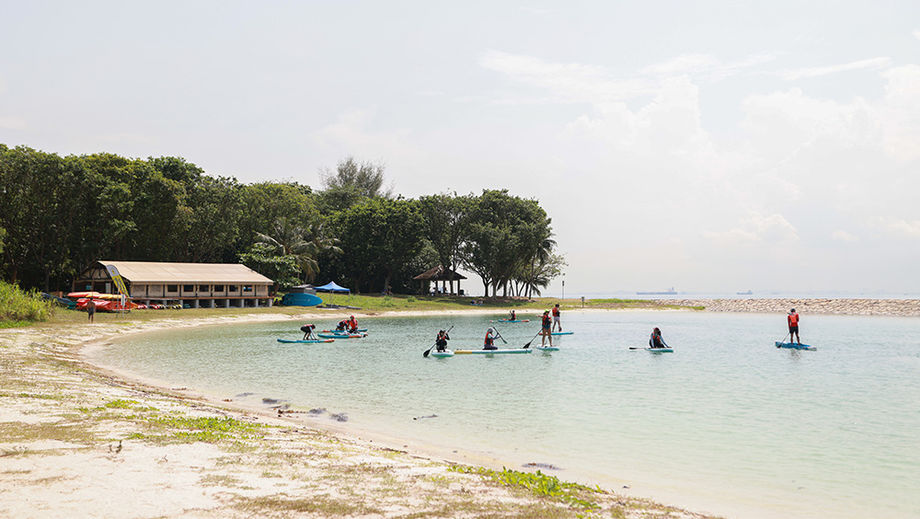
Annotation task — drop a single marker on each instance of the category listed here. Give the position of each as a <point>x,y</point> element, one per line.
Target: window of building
<point>247,288</point>
<point>188,288</point>
<point>203,288</point>
<point>233,288</point>
<point>172,288</point>
<point>218,288</point>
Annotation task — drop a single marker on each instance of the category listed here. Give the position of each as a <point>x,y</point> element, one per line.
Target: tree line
<point>59,214</point>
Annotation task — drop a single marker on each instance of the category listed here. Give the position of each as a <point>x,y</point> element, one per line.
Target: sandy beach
<point>78,441</point>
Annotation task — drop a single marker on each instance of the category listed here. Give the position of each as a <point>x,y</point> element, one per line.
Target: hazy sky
<point>712,146</point>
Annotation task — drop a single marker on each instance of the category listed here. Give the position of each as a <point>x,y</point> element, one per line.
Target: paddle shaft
<point>531,340</point>
<point>435,344</point>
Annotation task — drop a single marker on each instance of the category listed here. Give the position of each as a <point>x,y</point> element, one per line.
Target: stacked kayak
<point>795,346</point>
<point>341,335</point>
<point>304,341</point>
<point>500,351</point>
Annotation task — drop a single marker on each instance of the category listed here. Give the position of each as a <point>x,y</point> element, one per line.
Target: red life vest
<point>793,319</point>
<point>555,311</point>
<point>489,340</point>
<point>546,320</point>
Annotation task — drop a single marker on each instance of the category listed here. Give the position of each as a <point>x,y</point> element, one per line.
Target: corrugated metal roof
<point>168,272</point>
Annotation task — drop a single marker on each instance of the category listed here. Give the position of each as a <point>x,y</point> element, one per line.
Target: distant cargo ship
<point>747,293</point>
<point>669,292</point>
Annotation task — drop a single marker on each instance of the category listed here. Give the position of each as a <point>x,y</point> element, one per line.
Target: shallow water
<point>727,423</point>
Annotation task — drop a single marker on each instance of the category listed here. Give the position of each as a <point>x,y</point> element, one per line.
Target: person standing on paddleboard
<point>793,320</point>
<point>557,319</point>
<point>441,341</point>
<point>489,343</point>
<point>547,329</point>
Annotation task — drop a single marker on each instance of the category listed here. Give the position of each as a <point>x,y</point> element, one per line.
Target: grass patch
<point>120,404</point>
<point>202,429</point>
<point>538,483</point>
<point>281,504</point>
<point>20,431</point>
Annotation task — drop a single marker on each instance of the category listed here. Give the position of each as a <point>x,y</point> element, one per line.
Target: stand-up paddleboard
<point>441,354</point>
<point>795,346</point>
<point>546,348</point>
<point>500,351</point>
<point>510,321</point>
<point>660,350</point>
<point>562,333</point>
<point>304,341</point>
<point>341,335</point>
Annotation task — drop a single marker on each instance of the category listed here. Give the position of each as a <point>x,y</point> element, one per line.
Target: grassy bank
<point>20,308</point>
<point>371,304</point>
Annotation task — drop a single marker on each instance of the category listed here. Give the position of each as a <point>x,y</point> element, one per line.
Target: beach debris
<point>178,389</point>
<point>317,410</point>
<point>243,395</point>
<point>421,417</point>
<point>548,466</point>
<point>339,417</point>
<point>267,400</point>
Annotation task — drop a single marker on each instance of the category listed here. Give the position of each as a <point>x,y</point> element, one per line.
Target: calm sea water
<point>727,423</point>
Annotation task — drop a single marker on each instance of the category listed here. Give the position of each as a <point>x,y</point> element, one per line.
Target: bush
<point>18,305</point>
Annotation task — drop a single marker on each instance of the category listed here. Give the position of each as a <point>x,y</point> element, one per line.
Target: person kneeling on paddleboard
<point>546,330</point>
<point>513,316</point>
<point>353,325</point>
<point>489,343</point>
<point>655,341</point>
<point>793,320</point>
<point>307,330</point>
<point>441,341</point>
<point>342,326</point>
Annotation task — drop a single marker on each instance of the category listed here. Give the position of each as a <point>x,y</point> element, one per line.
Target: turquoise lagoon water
<point>726,424</point>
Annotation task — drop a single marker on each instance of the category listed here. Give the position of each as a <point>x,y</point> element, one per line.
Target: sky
<point>708,146</point>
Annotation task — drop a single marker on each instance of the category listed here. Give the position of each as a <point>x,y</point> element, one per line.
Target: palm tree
<point>289,238</point>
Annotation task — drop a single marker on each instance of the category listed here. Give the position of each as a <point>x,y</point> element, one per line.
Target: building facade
<point>198,285</point>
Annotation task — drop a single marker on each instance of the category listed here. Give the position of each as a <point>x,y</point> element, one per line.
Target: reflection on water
<point>727,423</point>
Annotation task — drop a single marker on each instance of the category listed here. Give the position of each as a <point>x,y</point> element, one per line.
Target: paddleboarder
<point>489,343</point>
<point>307,330</point>
<point>546,329</point>
<point>342,326</point>
<point>353,325</point>
<point>793,320</point>
<point>513,316</point>
<point>655,340</point>
<point>557,318</point>
<point>441,341</point>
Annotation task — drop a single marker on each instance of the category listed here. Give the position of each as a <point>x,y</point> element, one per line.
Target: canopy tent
<point>332,287</point>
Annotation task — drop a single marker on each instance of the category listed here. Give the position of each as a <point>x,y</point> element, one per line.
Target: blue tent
<point>332,287</point>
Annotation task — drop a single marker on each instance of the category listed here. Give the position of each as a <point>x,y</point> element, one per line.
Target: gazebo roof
<point>439,273</point>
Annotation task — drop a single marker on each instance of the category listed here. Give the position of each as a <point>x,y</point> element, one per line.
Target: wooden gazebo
<point>442,274</point>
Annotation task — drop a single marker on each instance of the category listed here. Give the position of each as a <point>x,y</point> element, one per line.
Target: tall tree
<point>447,226</point>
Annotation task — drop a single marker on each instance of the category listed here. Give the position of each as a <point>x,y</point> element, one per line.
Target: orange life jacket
<point>489,339</point>
<point>555,311</point>
<point>793,319</point>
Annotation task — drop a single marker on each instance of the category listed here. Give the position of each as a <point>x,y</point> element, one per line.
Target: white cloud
<point>756,227</point>
<point>907,228</point>
<point>12,123</point>
<point>800,73</point>
<point>841,235</point>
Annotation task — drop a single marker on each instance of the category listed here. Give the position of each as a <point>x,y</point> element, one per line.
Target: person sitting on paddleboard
<point>489,343</point>
<point>513,316</point>
<point>793,320</point>
<point>556,318</point>
<point>352,325</point>
<point>442,339</point>
<point>546,331</point>
<point>307,330</point>
<point>655,341</point>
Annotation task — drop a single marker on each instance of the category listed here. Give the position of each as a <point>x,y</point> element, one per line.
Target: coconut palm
<point>289,238</point>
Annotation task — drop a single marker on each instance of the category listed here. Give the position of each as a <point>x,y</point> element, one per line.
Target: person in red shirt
<point>793,320</point>
<point>489,342</point>
<point>556,318</point>
<point>546,330</point>
<point>353,325</point>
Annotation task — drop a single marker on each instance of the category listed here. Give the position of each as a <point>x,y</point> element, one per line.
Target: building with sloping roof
<point>207,285</point>
<point>442,274</point>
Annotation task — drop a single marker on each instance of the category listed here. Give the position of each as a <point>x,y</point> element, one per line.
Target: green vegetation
<point>18,306</point>
<point>59,214</point>
<point>538,483</point>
